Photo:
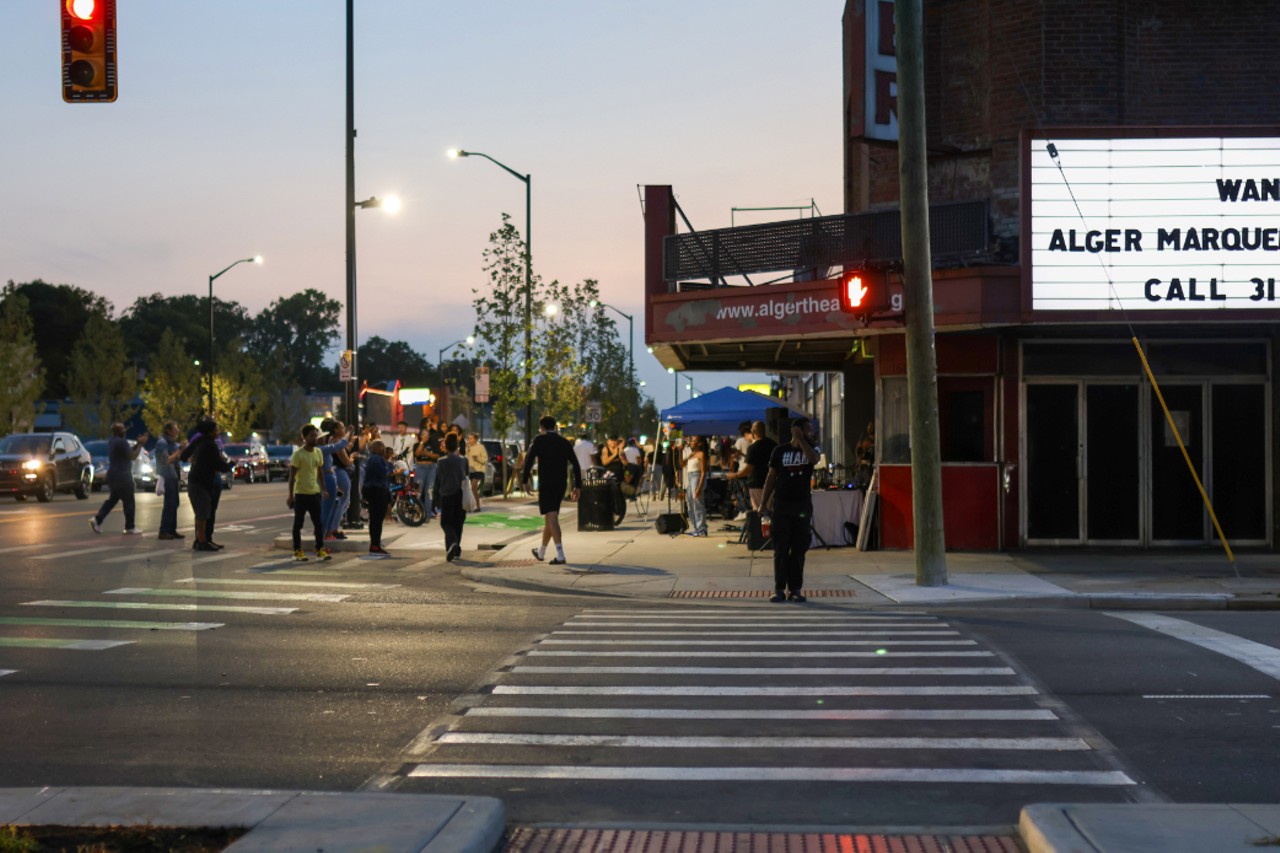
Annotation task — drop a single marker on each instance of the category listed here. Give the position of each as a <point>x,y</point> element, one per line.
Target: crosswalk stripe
<point>672,613</point>
<point>763,623</point>
<point>139,605</point>
<point>774,774</point>
<point>109,623</point>
<point>229,593</point>
<point>1034,744</point>
<point>755,633</point>
<point>1263,658</point>
<point>74,645</point>
<point>654,690</point>
<point>13,548</point>
<point>4,672</point>
<point>60,554</point>
<point>216,558</point>
<point>767,616</point>
<point>792,644</point>
<point>685,653</point>
<point>267,581</point>
<point>772,671</point>
<point>834,714</point>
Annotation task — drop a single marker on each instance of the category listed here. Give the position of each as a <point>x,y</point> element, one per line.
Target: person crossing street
<point>554,457</point>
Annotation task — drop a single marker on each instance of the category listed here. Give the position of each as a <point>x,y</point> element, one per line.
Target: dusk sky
<point>227,141</point>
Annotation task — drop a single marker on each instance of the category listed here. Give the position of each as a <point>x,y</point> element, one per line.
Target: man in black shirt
<point>788,488</point>
<point>554,455</point>
<point>757,468</point>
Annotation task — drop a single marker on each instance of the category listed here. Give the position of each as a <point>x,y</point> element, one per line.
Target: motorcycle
<point>405,501</point>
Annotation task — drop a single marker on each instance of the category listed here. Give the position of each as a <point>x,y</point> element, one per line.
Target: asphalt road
<point>242,669</point>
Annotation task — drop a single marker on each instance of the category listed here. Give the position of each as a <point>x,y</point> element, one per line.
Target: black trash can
<point>596,505</point>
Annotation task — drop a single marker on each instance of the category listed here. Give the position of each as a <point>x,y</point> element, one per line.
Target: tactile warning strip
<point>568,840</point>
<point>757,593</point>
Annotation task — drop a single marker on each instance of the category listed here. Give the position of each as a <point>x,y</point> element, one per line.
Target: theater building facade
<point>1102,191</point>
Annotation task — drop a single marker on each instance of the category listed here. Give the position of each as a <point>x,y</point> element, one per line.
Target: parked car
<point>278,456</point>
<point>144,469</point>
<point>496,456</point>
<point>43,464</point>
<point>248,462</point>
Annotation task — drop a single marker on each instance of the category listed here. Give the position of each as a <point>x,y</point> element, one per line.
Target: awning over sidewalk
<point>720,412</point>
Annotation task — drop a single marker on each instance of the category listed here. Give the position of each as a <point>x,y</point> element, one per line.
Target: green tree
<point>59,313</point>
<point>561,378</point>
<point>187,316</point>
<point>101,381</point>
<point>380,360</point>
<point>19,364</point>
<point>238,390</point>
<point>173,388</point>
<point>501,326</point>
<point>299,330</point>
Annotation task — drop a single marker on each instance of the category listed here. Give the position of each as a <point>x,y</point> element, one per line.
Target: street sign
<point>594,415</point>
<point>482,385</point>
<point>344,366</point>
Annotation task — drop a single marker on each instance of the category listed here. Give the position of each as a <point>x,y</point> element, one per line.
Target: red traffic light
<point>88,51</point>
<point>81,10</point>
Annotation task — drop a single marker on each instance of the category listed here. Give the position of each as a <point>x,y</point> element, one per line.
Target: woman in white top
<point>695,481</point>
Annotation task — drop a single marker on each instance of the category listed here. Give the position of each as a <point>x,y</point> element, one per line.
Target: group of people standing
<point>202,448</point>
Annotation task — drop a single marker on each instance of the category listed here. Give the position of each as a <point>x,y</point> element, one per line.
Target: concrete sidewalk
<point>277,820</point>
<point>634,560</point>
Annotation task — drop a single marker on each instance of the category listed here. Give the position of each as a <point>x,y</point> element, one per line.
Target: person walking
<point>205,478</point>
<point>120,458</point>
<point>307,492</point>
<point>451,479</point>
<point>555,458</point>
<point>695,482</point>
<point>477,464</point>
<point>788,489</point>
<point>376,492</point>
<point>168,449</point>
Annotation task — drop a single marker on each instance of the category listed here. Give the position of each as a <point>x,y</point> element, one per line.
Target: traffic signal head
<point>864,292</point>
<point>88,51</point>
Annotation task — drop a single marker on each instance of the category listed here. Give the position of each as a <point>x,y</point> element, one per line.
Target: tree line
<point>63,342</point>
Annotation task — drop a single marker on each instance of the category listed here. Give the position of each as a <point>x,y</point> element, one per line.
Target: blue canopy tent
<point>720,412</point>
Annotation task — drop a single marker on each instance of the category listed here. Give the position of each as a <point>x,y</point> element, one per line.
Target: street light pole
<point>468,340</point>
<point>256,259</point>
<point>350,213</point>
<point>528,279</point>
<point>632,393</point>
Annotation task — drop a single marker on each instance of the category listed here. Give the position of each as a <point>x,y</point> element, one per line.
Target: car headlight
<point>146,469</point>
<point>32,464</point>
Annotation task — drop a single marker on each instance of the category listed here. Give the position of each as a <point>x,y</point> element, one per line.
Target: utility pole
<point>917,287</point>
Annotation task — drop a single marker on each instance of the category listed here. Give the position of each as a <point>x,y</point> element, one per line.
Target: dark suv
<point>44,463</point>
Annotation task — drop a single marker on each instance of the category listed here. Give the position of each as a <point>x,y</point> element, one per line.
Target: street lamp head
<point>257,259</point>
<point>455,153</point>
<point>671,370</point>
<point>593,303</point>
<point>551,309</point>
<point>391,204</point>
<point>471,339</point>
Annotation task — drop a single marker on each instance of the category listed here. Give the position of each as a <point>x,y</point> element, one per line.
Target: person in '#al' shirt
<point>788,487</point>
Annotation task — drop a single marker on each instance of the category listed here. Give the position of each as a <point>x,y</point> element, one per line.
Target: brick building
<point>1154,218</point>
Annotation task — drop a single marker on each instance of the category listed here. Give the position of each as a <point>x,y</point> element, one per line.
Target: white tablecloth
<point>830,511</point>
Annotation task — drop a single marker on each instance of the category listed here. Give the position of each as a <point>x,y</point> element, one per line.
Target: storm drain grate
<point>567,840</point>
<point>757,593</point>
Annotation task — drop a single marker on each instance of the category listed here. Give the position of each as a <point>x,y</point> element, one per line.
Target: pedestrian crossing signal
<point>88,51</point>
<point>865,294</point>
<point>853,294</point>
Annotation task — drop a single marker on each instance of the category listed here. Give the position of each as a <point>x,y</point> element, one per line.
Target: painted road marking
<point>216,558</point>
<point>139,605</point>
<point>754,623</point>
<point>774,774</point>
<point>773,634</point>
<point>671,613</point>
<point>109,623</point>
<point>77,553</point>
<point>774,672</point>
<point>754,714</point>
<point>1265,659</point>
<point>4,672</point>
<point>23,548</point>
<point>74,645</point>
<point>703,616</point>
<point>229,593</point>
<point>653,690</point>
<point>338,584</point>
<point>648,653</point>
<point>1207,696</point>
<point>29,516</point>
<point>758,643</point>
<point>1031,744</point>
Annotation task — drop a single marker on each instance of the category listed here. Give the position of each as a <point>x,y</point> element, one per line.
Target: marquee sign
<point>1159,224</point>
